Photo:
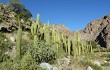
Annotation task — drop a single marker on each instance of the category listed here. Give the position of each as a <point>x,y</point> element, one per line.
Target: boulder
<point>54,68</point>
<point>96,63</point>
<point>89,68</point>
<point>46,66</point>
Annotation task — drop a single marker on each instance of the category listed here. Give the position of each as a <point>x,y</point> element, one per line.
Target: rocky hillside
<point>98,31</point>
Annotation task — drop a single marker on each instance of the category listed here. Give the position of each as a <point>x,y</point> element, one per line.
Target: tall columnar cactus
<point>78,43</point>
<point>78,36</point>
<point>91,48</point>
<point>82,47</point>
<point>18,43</point>
<point>47,36</point>
<point>87,48</point>
<point>53,36</point>
<point>58,38</point>
<point>62,37</point>
<point>41,30</point>
<point>74,43</point>
<point>34,29</point>
<point>69,44</point>
<point>48,23</point>
<point>47,33</point>
<point>65,43</point>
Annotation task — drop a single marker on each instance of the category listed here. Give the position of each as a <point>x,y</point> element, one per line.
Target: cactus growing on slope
<point>18,43</point>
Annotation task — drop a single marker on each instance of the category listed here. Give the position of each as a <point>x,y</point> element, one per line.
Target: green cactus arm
<point>32,31</point>
<point>38,18</point>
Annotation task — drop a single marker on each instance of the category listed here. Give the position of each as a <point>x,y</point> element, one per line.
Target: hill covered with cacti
<point>28,44</point>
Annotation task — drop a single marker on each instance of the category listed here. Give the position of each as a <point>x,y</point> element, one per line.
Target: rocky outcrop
<point>9,21</point>
<point>98,31</point>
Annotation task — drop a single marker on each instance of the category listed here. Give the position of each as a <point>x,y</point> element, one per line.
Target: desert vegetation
<point>43,47</point>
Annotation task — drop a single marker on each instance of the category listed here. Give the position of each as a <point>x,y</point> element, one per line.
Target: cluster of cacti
<point>80,47</point>
<point>34,29</point>
<point>51,36</point>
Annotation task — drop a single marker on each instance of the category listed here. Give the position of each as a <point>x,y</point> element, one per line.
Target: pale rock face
<point>89,68</point>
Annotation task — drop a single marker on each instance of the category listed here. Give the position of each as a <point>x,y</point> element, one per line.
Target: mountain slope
<point>98,31</point>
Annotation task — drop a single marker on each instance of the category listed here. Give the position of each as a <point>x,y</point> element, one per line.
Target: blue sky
<point>74,14</point>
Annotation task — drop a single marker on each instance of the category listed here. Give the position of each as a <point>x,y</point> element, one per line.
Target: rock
<point>63,30</point>
<point>64,62</point>
<point>109,62</point>
<point>5,40</point>
<point>54,68</point>
<point>22,21</point>
<point>96,63</point>
<point>67,60</point>
<point>7,53</point>
<point>13,47</point>
<point>12,38</point>
<point>46,66</point>
<point>89,68</point>
<point>105,61</point>
<point>0,28</point>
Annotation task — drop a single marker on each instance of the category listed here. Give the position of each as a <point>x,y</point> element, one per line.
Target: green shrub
<point>3,57</point>
<point>6,65</point>
<point>43,52</point>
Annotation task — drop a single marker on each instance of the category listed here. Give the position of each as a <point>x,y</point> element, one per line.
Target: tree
<point>16,4</point>
<point>20,9</point>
